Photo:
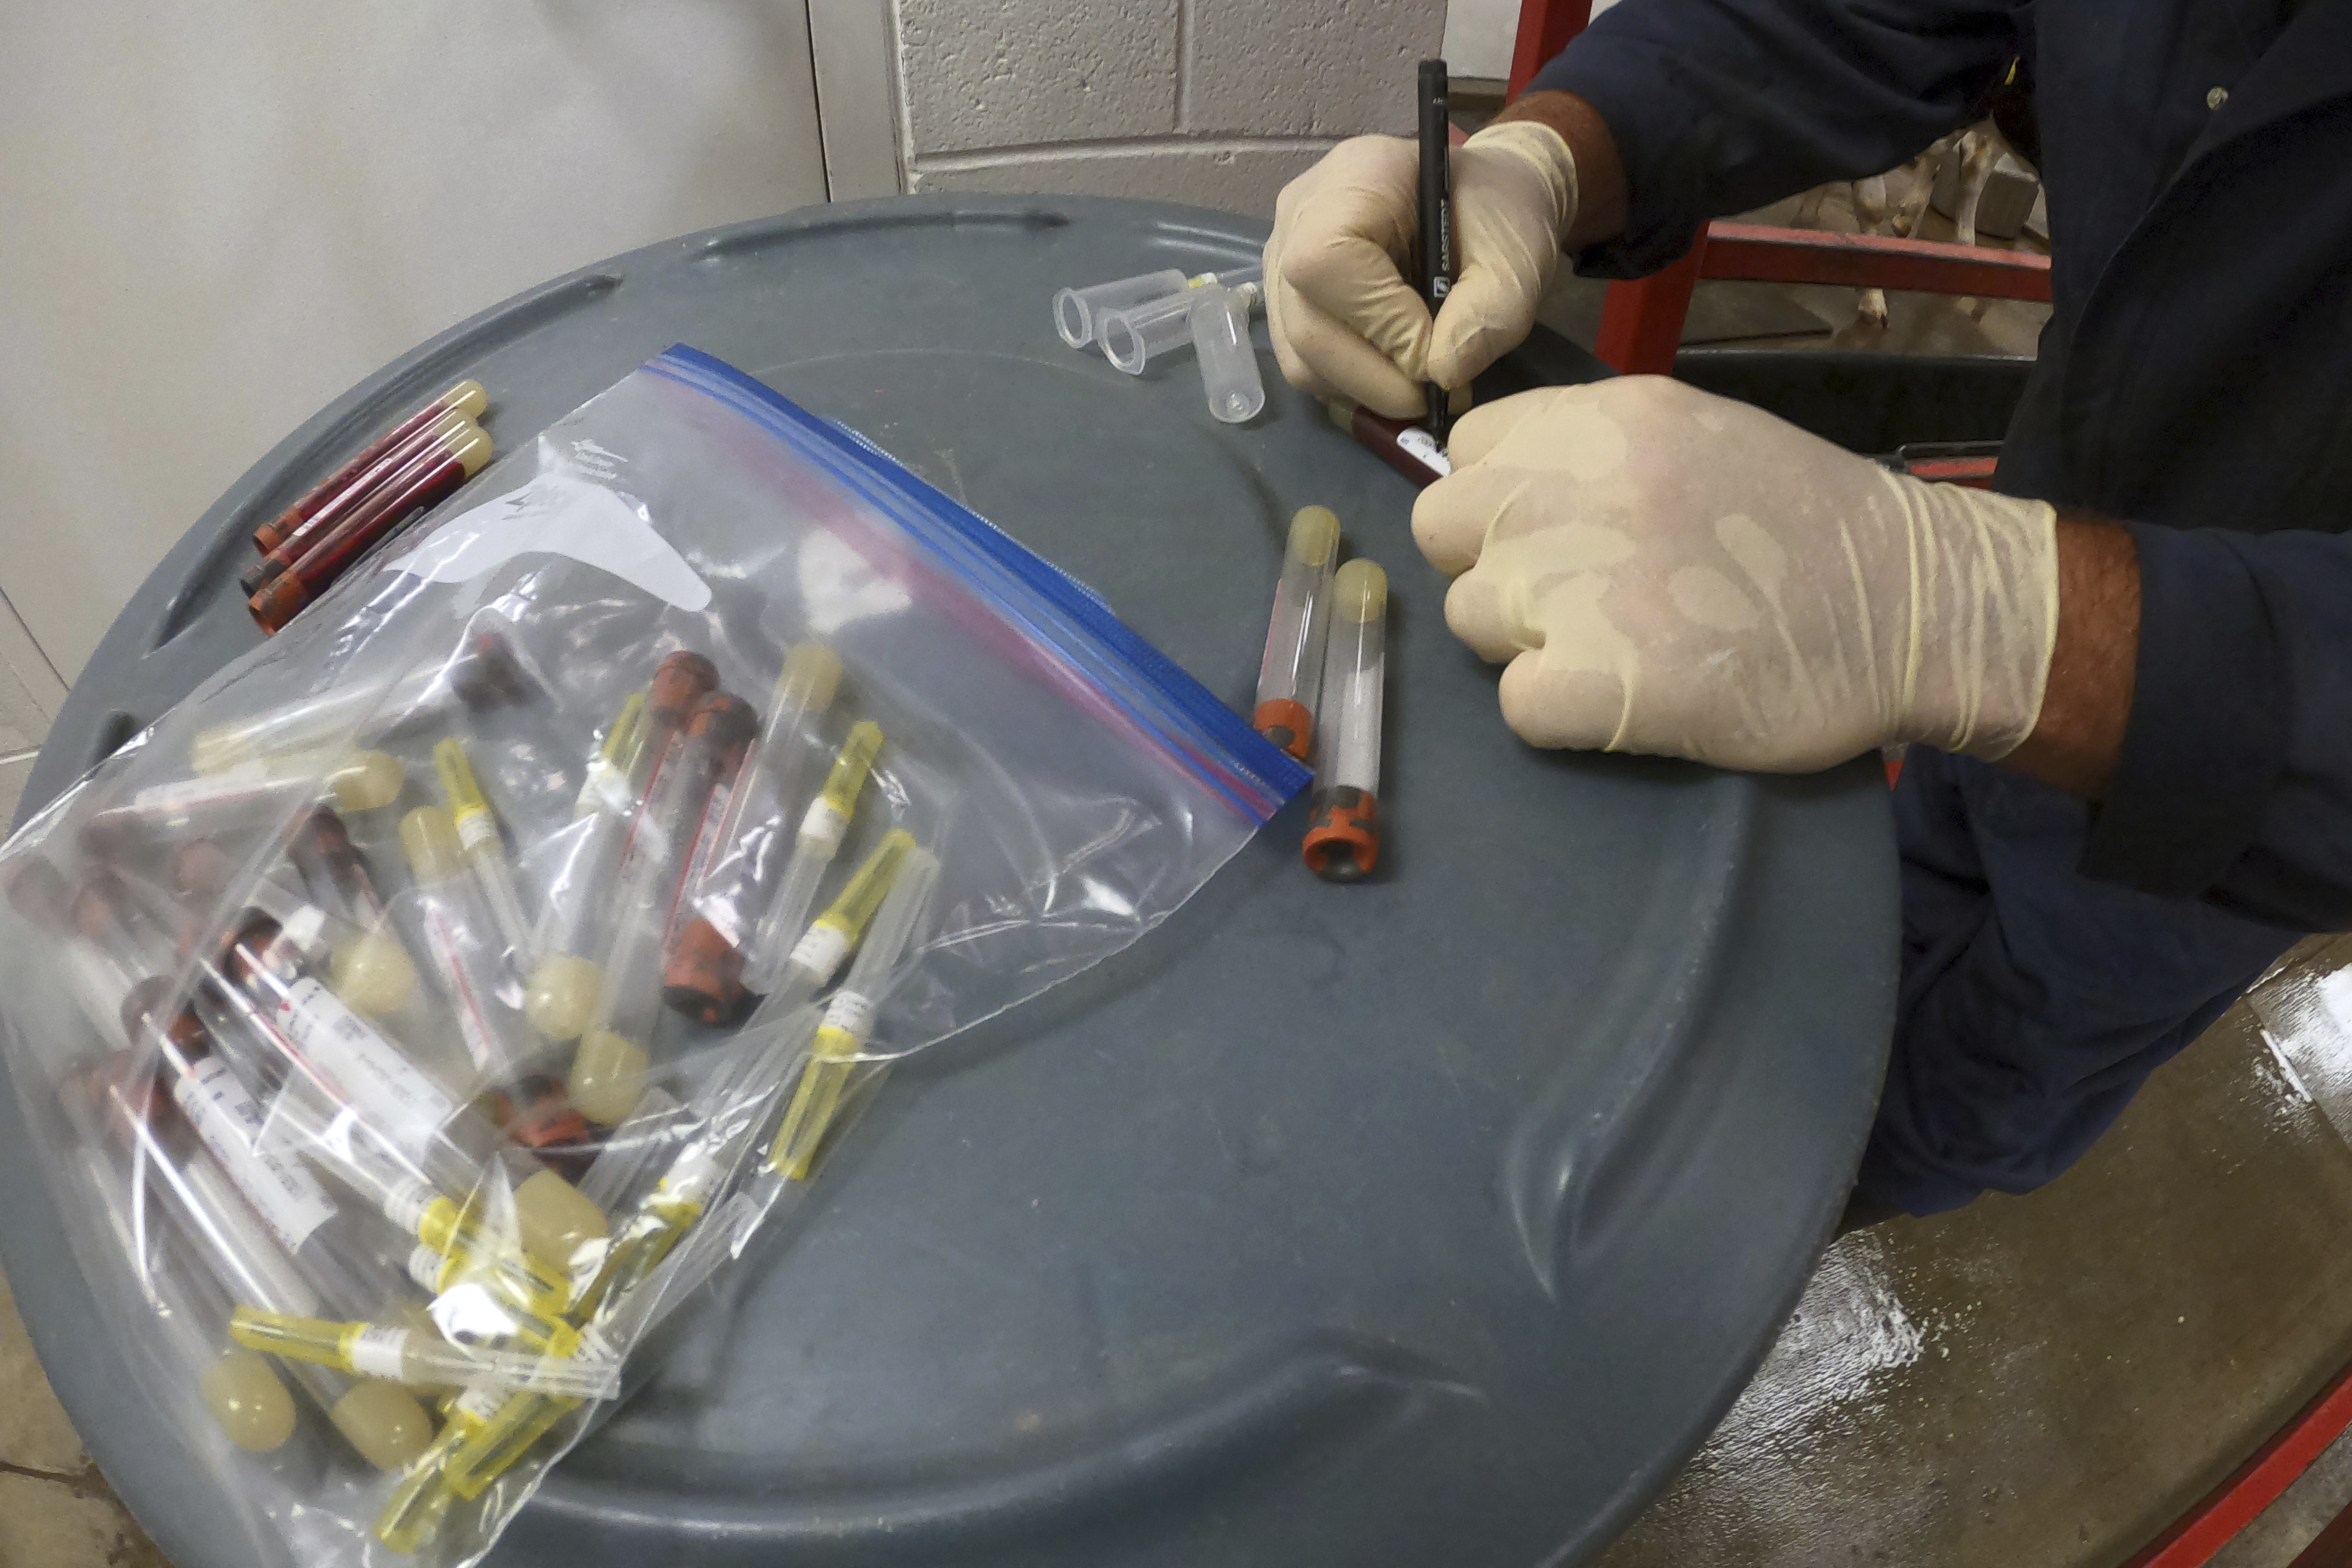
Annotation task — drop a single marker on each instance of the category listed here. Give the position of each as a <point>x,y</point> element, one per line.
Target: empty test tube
<point>397,1353</point>
<point>482,675</point>
<point>1221,341</point>
<point>1132,338</point>
<point>1075,310</point>
<point>743,851</point>
<point>849,1017</point>
<point>1343,840</point>
<point>485,853</point>
<point>821,831</point>
<point>1290,675</point>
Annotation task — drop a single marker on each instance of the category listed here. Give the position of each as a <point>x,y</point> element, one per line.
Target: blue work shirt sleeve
<point>1721,106</point>
<point>2235,780</point>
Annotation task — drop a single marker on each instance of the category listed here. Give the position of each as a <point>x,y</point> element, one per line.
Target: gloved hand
<point>1343,317</point>
<point>1675,573</point>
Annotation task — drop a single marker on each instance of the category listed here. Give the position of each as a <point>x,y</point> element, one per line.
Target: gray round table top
<point>1430,1221</point>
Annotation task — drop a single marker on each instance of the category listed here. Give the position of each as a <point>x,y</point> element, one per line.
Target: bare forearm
<point>2080,734</point>
<point>1600,174</point>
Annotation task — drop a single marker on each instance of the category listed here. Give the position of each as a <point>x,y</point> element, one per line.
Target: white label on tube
<point>376,1350</point>
<point>303,927</point>
<point>397,1101</point>
<point>851,1013</point>
<point>1355,711</point>
<point>246,778</point>
<point>475,829</point>
<point>820,950</point>
<point>479,1401</point>
<point>286,1196</point>
<point>1423,446</point>
<point>824,823</point>
<point>691,1176</point>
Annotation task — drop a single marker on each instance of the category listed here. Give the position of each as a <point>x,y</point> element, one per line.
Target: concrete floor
<point>2044,1380</point>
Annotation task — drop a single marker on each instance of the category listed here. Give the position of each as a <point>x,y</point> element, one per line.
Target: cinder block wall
<point>1215,103</point>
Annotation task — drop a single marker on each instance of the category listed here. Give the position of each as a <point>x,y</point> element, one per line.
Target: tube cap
<point>1314,535</point>
<point>1361,591</point>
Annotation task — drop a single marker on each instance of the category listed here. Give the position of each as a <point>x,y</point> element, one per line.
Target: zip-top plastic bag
<point>423,1008</point>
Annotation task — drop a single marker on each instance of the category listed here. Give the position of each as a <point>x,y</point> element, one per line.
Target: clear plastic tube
<point>744,847</point>
<point>399,1354</point>
<point>484,849</point>
<point>609,1067</point>
<point>373,971</point>
<point>1220,326</point>
<point>457,945</point>
<point>1342,841</point>
<point>735,1103</point>
<point>626,769</point>
<point>1131,338</point>
<point>822,828</point>
<point>483,675</point>
<point>252,799</point>
<point>1290,675</point>
<point>1075,310</point>
<point>849,1017</point>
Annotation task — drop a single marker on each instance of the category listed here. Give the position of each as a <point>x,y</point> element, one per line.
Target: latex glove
<point>1675,573</point>
<point>1342,316</point>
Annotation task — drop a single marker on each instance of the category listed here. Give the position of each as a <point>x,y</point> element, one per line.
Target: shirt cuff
<point>2206,744</point>
<point>1621,79</point>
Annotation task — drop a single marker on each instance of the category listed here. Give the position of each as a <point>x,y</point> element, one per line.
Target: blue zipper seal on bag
<point>1256,776</point>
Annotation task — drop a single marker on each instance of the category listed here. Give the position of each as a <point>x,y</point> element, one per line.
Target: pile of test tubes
<point>410,1145</point>
<point>1136,320</point>
<point>392,481</point>
<point>1318,690</point>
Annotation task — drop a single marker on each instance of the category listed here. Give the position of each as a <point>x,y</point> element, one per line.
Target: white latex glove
<point>1343,317</point>
<point>1675,573</point>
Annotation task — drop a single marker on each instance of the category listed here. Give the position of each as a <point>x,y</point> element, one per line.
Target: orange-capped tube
<point>1343,841</point>
<point>1290,677</point>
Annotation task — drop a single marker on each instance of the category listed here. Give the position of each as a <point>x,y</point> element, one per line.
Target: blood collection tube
<point>1290,676</point>
<point>427,480</point>
<point>484,849</point>
<point>733,1103</point>
<point>609,1067</point>
<point>117,947</point>
<point>1399,443</point>
<point>849,1017</point>
<point>445,430</point>
<point>1343,840</point>
<point>742,850</point>
<point>561,997</point>
<point>530,1105</point>
<point>466,398</point>
<point>203,873</point>
<point>354,1067</point>
<point>383,1424</point>
<point>822,828</point>
<point>256,797</point>
<point>373,971</point>
<point>482,675</point>
<point>398,1353</point>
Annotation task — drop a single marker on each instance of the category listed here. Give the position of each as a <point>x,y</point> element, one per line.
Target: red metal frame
<point>2254,1486</point>
<point>1545,28</point>
<point>1642,321</point>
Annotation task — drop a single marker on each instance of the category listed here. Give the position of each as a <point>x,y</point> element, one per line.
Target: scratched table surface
<point>1429,1220</point>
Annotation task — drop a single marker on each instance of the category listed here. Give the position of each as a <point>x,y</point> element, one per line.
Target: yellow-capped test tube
<point>1343,838</point>
<point>397,1354</point>
<point>484,849</point>
<point>1290,675</point>
<point>849,1017</point>
<point>821,831</point>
